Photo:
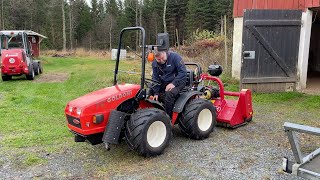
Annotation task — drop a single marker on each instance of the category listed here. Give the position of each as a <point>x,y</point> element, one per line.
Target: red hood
<point>109,94</point>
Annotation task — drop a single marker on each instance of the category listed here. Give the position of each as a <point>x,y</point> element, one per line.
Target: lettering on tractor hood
<point>12,55</point>
<point>119,96</point>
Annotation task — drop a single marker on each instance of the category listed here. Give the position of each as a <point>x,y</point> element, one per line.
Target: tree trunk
<point>164,16</point>
<point>71,29</point>
<point>63,27</point>
<point>137,33</point>
<point>110,34</point>
<point>2,19</point>
<point>140,21</point>
<point>177,37</point>
<point>225,43</point>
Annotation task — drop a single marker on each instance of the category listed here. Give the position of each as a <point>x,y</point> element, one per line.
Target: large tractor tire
<point>36,68</point>
<point>6,77</point>
<point>148,131</point>
<point>40,68</point>
<point>198,119</point>
<point>31,74</point>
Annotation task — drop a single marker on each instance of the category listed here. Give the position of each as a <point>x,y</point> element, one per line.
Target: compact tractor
<point>127,111</point>
<point>17,54</point>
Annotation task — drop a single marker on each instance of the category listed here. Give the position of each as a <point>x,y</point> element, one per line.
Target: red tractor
<point>127,111</point>
<point>17,54</point>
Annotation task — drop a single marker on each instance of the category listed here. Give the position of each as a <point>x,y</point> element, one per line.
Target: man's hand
<point>155,97</point>
<point>170,87</point>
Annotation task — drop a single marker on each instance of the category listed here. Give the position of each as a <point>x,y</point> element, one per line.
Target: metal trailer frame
<point>306,166</point>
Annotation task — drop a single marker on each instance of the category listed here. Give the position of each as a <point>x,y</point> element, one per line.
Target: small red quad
<point>127,111</point>
<point>18,48</point>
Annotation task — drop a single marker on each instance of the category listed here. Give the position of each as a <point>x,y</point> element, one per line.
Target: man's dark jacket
<point>173,71</point>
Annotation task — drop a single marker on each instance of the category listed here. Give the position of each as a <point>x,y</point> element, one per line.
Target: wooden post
<point>225,43</point>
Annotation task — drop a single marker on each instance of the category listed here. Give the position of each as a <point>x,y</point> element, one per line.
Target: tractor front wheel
<point>148,131</point>
<point>198,119</point>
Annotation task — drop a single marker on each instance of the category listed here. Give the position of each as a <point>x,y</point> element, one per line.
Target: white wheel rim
<point>205,120</point>
<point>156,134</point>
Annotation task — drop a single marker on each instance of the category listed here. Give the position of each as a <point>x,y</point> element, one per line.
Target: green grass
<point>291,99</point>
<point>32,113</point>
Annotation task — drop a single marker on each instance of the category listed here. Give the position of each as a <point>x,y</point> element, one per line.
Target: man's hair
<point>158,53</point>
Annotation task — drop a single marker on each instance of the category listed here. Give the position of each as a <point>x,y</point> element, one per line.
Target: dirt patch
<point>52,77</point>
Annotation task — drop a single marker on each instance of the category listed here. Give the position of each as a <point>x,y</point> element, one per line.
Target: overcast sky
<point>89,2</point>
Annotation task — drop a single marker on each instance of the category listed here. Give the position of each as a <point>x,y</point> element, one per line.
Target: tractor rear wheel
<point>6,77</point>
<point>198,119</point>
<point>31,74</point>
<point>148,131</point>
<point>36,68</point>
<point>40,68</point>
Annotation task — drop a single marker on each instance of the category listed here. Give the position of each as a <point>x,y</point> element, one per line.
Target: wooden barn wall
<point>241,5</point>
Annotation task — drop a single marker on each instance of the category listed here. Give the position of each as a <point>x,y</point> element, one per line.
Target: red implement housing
<point>231,113</point>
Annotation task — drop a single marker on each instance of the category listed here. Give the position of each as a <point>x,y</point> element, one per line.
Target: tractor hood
<point>107,95</point>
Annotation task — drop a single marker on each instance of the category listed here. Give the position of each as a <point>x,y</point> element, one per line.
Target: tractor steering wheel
<point>151,83</point>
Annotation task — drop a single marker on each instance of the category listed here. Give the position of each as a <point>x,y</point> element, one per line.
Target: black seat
<point>190,78</point>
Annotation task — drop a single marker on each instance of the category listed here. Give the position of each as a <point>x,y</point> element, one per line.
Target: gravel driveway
<point>253,151</point>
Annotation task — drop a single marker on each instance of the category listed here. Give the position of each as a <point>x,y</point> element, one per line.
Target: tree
<point>164,16</point>
<point>63,27</point>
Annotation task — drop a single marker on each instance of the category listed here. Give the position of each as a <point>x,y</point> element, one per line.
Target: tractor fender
<point>113,129</point>
<point>155,104</point>
<point>183,99</point>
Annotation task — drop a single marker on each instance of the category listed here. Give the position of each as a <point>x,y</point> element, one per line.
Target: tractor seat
<point>190,78</point>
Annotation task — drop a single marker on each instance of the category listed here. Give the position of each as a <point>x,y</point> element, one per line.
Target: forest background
<point>71,24</point>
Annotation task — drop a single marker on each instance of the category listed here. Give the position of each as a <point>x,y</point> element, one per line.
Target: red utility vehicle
<point>126,110</point>
<point>16,49</point>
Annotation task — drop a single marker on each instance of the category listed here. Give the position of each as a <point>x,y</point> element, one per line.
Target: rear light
<point>97,119</point>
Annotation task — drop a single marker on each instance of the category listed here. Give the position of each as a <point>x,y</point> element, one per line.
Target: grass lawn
<point>32,112</point>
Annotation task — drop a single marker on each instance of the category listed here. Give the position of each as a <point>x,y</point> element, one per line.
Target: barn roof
<point>240,5</point>
<point>28,32</point>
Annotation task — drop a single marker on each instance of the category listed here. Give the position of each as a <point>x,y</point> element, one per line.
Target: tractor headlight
<point>70,108</point>
<point>78,111</point>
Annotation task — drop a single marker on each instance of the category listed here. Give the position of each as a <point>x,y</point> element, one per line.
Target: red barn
<point>276,44</point>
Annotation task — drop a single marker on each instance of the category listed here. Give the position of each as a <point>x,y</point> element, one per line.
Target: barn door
<point>270,49</point>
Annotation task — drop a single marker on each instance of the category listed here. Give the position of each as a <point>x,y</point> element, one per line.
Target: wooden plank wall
<point>241,5</point>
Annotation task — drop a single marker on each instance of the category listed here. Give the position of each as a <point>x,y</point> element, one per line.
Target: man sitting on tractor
<point>170,70</point>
